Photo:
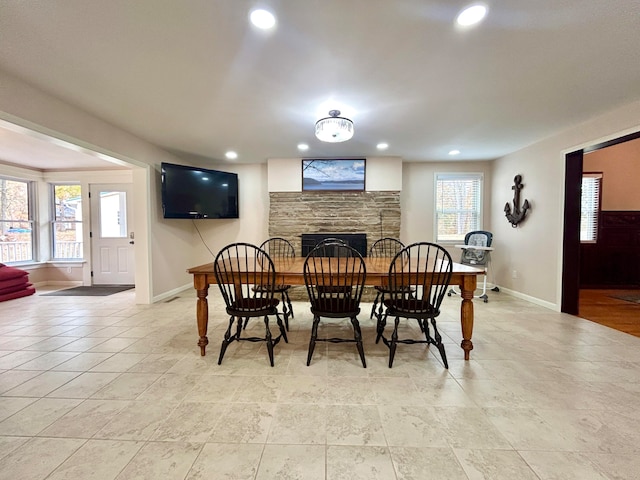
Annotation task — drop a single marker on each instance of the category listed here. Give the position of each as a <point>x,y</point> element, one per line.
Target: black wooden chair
<point>424,269</point>
<point>238,267</point>
<point>334,275</point>
<point>383,248</point>
<point>279,248</point>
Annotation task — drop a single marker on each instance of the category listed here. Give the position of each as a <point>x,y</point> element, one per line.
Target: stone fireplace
<point>372,214</point>
<point>375,214</point>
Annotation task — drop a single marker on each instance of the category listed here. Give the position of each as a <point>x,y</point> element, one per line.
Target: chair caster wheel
<point>486,300</point>
<point>448,294</point>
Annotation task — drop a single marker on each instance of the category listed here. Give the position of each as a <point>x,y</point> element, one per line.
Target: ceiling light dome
<point>262,19</point>
<point>334,128</point>
<point>472,15</point>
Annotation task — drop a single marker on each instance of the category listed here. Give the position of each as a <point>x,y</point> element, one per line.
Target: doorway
<point>570,300</point>
<point>112,235</point>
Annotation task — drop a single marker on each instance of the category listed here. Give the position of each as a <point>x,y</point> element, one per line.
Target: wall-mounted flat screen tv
<point>333,174</point>
<point>192,192</point>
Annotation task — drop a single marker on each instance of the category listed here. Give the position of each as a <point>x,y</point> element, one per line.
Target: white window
<point>590,207</point>
<point>16,221</point>
<point>458,205</point>
<point>66,226</point>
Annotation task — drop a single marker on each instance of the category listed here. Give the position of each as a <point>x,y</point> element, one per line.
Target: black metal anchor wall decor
<point>518,213</point>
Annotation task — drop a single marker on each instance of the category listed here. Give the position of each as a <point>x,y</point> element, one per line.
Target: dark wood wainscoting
<point>614,261</point>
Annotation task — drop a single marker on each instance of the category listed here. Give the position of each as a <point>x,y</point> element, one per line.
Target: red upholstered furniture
<point>14,283</point>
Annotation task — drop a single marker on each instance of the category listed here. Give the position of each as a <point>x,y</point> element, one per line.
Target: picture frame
<point>343,174</point>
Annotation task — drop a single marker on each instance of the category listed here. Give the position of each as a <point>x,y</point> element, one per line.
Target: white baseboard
<point>173,293</point>
<point>58,283</point>
<point>528,298</point>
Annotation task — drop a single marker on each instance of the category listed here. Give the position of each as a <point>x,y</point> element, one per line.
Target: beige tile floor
<point>102,388</point>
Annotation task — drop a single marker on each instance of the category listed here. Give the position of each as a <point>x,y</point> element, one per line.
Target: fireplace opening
<point>355,240</point>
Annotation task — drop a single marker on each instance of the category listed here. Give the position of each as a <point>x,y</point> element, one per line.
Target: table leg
<point>202,311</point>
<point>467,288</point>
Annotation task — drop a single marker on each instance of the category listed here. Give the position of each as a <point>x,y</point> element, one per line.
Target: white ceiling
<point>194,77</point>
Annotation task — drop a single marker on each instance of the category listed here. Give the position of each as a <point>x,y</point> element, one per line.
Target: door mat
<point>95,291</point>
<point>632,297</point>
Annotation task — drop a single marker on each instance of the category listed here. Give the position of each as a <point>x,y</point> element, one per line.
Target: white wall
<point>418,198</point>
<point>381,174</point>
<point>534,249</point>
<point>253,224</point>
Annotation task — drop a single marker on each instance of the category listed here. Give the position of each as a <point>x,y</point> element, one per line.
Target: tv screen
<point>192,192</point>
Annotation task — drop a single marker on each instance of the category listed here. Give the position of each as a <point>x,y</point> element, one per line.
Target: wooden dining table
<point>290,271</point>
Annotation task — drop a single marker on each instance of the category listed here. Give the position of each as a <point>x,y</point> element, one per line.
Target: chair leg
<point>242,324</point>
<point>286,295</point>
<point>439,344</point>
<point>394,342</point>
<point>226,340</point>
<point>375,302</point>
<point>268,339</point>
<point>382,322</point>
<point>283,331</point>
<point>443,355</point>
<point>381,309</point>
<point>314,335</point>
<point>357,334</point>
<point>285,312</point>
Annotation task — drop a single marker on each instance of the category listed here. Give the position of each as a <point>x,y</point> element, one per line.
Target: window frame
<point>595,213</point>
<point>30,220</point>
<point>458,176</point>
<point>55,222</point>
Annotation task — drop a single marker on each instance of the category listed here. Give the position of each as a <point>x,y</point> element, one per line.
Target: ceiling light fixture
<point>454,152</point>
<point>382,146</point>
<point>334,128</point>
<point>231,155</point>
<point>303,146</point>
<point>262,19</point>
<point>471,15</point>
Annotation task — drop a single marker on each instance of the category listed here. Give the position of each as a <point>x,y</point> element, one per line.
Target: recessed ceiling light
<point>262,19</point>
<point>231,155</point>
<point>454,152</point>
<point>382,146</point>
<point>303,146</point>
<point>471,15</point>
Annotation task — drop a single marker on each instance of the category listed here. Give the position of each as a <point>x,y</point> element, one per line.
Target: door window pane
<point>113,214</point>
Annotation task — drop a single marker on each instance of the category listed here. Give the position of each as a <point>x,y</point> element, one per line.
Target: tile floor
<point>102,388</point>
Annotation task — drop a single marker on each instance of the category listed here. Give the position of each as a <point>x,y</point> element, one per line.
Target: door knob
<point>131,242</point>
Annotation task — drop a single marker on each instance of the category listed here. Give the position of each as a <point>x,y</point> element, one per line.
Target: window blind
<point>590,207</point>
<point>458,205</point>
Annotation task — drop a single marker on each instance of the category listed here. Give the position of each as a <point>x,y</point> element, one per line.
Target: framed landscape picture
<point>333,174</point>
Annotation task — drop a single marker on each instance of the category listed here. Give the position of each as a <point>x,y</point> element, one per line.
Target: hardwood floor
<point>599,306</point>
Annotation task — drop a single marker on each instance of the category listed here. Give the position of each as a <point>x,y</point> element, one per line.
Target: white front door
<point>112,239</point>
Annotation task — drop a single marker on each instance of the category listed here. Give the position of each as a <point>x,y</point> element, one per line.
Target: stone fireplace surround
<point>374,213</point>
<point>377,214</point>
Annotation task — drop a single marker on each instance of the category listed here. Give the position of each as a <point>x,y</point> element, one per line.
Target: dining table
<point>290,271</point>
